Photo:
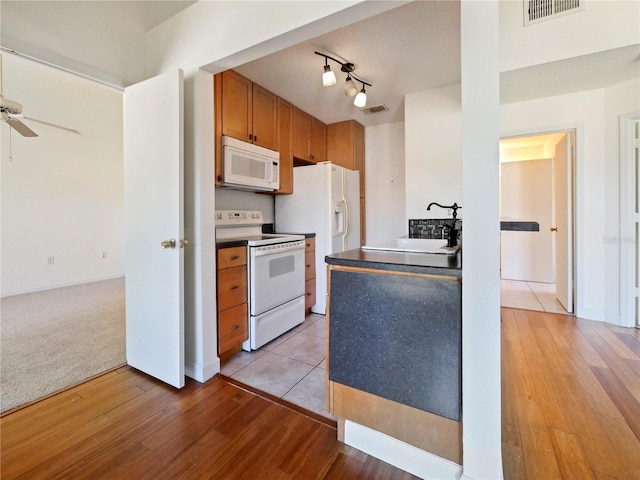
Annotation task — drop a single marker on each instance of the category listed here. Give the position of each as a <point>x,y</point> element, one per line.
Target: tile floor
<point>530,296</point>
<point>291,367</point>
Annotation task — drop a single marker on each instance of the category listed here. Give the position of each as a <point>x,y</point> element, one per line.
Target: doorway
<point>536,185</point>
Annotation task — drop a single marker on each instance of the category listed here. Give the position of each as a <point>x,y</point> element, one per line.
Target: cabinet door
<point>232,327</point>
<point>232,287</point>
<point>318,142</point>
<point>340,144</point>
<point>358,154</point>
<point>237,114</point>
<point>285,145</point>
<point>265,116</point>
<point>301,134</point>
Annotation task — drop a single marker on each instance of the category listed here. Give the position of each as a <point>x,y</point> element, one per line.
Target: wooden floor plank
<point>571,458</point>
<point>621,397</point>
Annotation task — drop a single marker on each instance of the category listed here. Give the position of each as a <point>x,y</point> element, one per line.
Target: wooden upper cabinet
<point>358,151</point>
<point>345,144</point>
<point>309,138</point>
<point>249,112</point>
<point>285,145</point>
<point>318,141</point>
<point>237,106</point>
<point>301,134</point>
<point>265,118</point>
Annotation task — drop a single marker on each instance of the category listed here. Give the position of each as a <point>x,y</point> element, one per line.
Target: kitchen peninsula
<point>394,346</point>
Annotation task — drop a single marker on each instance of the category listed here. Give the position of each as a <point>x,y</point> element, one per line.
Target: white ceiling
<point>413,47</point>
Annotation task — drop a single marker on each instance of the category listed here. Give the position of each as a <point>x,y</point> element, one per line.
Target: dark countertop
<point>425,263</point>
<point>514,225</point>
<point>306,235</point>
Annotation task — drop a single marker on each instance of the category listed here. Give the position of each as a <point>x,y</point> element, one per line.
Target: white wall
<point>62,194</point>
<point>621,99</point>
<point>433,167</point>
<point>385,182</point>
<point>595,116</point>
<point>603,25</point>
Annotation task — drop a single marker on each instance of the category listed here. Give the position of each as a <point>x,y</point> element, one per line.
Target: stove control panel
<point>238,217</point>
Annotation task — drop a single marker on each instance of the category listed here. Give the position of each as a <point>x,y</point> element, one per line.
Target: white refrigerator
<point>325,201</point>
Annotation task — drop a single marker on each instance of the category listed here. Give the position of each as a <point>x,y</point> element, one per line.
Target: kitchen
<point>410,155</point>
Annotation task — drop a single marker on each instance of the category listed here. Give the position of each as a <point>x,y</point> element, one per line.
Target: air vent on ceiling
<point>375,109</point>
<point>539,10</point>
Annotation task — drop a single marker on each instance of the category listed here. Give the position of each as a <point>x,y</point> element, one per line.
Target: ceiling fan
<point>11,113</point>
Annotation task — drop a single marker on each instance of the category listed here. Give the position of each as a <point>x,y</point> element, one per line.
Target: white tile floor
<point>291,367</point>
<point>530,296</point>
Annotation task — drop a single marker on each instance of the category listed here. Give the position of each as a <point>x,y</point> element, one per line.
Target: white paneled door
<point>154,269</point>
<point>563,207</point>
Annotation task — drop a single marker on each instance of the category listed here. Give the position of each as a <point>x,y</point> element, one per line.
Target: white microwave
<point>249,167</point>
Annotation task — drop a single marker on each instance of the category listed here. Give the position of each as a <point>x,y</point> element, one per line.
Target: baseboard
<point>63,285</point>
<point>202,373</point>
<point>399,454</point>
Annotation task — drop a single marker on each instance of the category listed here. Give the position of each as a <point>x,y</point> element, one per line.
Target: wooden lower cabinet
<point>309,274</point>
<point>232,327</point>
<point>232,295</point>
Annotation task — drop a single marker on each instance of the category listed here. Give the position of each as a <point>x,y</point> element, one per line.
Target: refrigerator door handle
<point>347,213</point>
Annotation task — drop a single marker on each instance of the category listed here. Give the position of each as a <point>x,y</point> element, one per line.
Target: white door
<point>563,210</point>
<point>153,141</point>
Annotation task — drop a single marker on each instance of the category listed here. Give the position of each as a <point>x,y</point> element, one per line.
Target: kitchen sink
<point>415,245</point>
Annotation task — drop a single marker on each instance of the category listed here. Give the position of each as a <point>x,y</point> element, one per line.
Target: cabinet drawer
<point>309,265</point>
<point>309,244</point>
<point>232,327</point>
<point>232,257</point>
<point>232,287</point>
<point>309,293</point>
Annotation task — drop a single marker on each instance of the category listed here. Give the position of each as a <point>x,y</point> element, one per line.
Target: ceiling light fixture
<point>361,98</point>
<point>350,89</point>
<point>328,77</point>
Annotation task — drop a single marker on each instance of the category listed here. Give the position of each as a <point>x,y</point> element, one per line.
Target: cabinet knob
<point>235,327</point>
<point>234,257</point>
<point>234,287</point>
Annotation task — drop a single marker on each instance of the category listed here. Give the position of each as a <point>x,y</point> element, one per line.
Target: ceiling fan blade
<point>20,127</point>
<point>50,124</point>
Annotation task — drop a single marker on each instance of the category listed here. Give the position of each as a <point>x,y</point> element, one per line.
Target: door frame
<point>576,161</point>
<point>628,287</point>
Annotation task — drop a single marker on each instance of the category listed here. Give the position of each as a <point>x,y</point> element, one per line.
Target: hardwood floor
<point>570,398</point>
<point>570,410</point>
<point>126,425</point>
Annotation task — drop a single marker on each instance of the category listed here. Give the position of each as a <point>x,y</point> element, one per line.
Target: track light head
<point>361,99</point>
<point>328,77</point>
<point>350,88</point>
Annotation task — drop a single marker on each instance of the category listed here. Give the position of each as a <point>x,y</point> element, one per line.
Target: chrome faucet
<point>452,238</point>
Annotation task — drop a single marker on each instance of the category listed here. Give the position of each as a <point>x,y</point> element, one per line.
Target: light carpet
<point>56,338</point>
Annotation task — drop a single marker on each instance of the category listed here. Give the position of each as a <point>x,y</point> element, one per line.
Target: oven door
<point>276,276</point>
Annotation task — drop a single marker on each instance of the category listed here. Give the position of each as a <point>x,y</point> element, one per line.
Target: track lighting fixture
<point>350,89</point>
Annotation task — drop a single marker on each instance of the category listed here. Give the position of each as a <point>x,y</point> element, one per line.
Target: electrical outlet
<point>450,212</point>
<point>104,255</point>
<point>51,260</point>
